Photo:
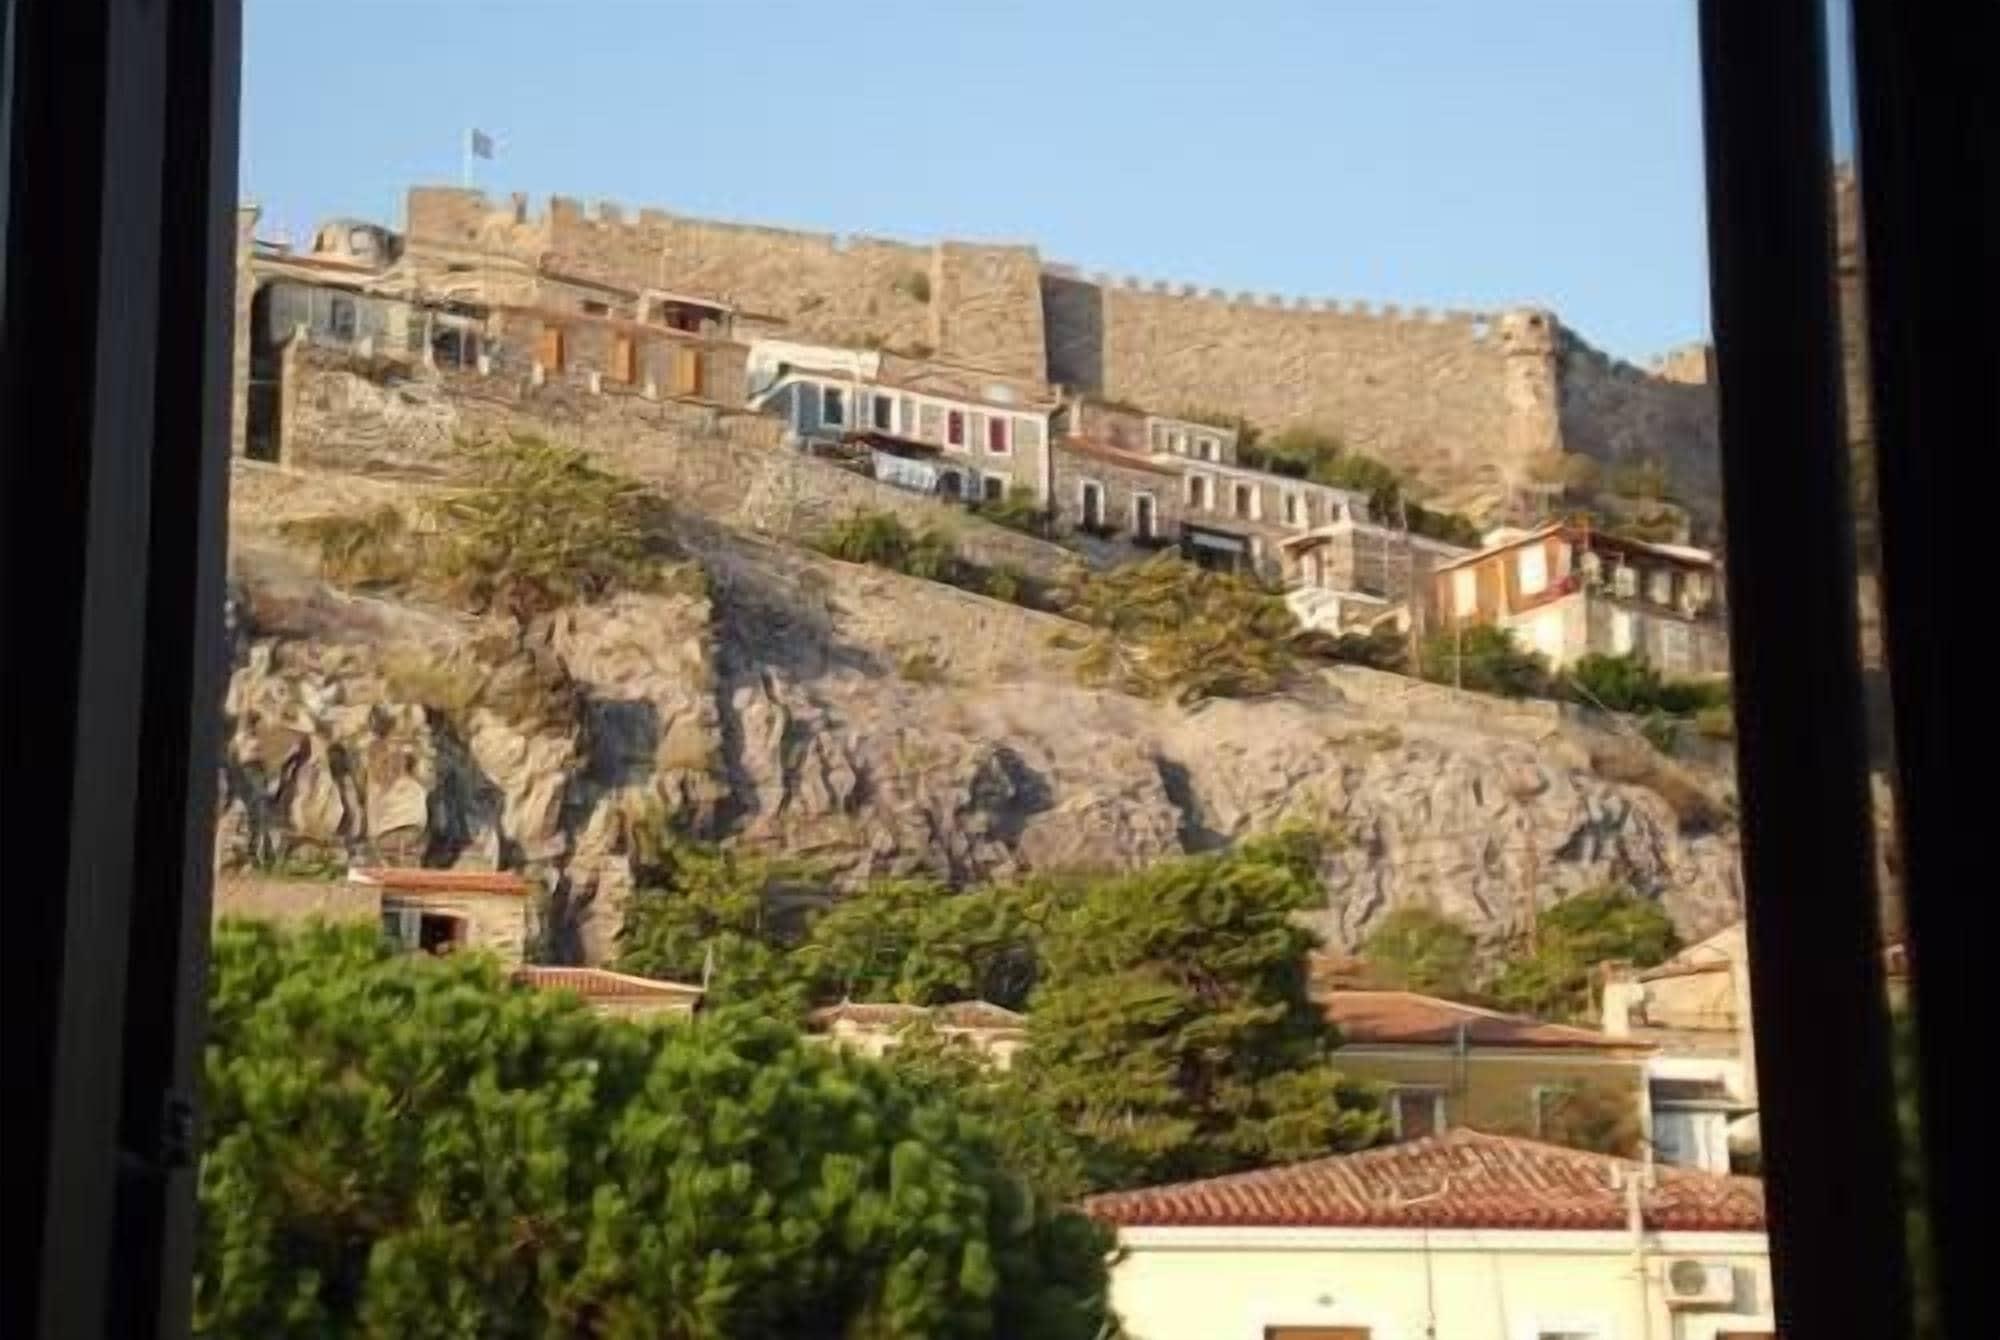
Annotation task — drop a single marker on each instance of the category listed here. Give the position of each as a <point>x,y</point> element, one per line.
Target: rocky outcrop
<point>780,709</point>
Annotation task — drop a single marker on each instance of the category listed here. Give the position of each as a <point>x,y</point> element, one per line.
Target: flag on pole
<point>707,965</point>
<point>480,145</point>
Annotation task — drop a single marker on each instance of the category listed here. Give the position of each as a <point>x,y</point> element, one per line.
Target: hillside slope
<point>880,724</point>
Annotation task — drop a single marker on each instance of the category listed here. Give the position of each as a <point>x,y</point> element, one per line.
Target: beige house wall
<point>1491,1090</point>
<point>294,902</point>
<point>1399,1284</point>
<point>495,923</point>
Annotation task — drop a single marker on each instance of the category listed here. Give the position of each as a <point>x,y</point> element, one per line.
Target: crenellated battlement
<point>1478,322</point>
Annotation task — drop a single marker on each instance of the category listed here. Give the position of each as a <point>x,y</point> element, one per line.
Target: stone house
<point>1450,1065</point>
<point>451,911</point>
<point>1353,574</point>
<point>960,433</point>
<point>1127,427</point>
<point>616,994</point>
<point>1567,591</point>
<point>874,1028</point>
<point>1466,1235</point>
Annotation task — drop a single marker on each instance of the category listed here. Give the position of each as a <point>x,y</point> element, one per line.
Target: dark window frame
<point>114,502</point>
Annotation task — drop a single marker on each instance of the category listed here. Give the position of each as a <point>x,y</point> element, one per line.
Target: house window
<point>596,308</point>
<point>832,405</point>
<point>995,487</point>
<point>1208,451</point>
<point>1465,592</point>
<point>1177,442</point>
<point>1028,434</point>
<point>1090,502</point>
<point>624,359</point>
<point>1159,438</point>
<point>1533,568</point>
<point>1292,509</point>
<point>951,484</point>
<point>1197,491</point>
<point>1660,586</point>
<point>954,428</point>
<point>1625,582</point>
<point>1142,515</point>
<point>884,417</point>
<point>552,349</point>
<point>1244,493</point>
<point>1415,1112</point>
<point>340,319</point>
<point>413,929</point>
<point>996,435</point>
<point>930,421</point>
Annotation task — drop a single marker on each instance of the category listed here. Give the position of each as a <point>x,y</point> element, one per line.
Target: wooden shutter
<point>687,371</point>
<point>624,359</point>
<point>549,352</point>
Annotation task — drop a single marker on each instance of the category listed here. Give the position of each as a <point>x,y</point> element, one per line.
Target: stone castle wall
<point>1425,392</point>
<point>1467,404</point>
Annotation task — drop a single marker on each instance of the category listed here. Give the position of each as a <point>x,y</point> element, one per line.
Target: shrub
<point>1716,723</point>
<point>1006,582</point>
<point>921,667</point>
<point>1484,658</point>
<point>545,528</point>
<point>1019,511</point>
<point>914,285</point>
<point>879,538</point>
<point>1382,649</point>
<point>359,551</point>
<point>448,683</point>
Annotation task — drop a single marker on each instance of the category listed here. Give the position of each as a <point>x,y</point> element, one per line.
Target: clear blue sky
<point>1461,153</point>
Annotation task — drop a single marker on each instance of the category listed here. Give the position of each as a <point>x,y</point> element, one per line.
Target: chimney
<point>1624,997</point>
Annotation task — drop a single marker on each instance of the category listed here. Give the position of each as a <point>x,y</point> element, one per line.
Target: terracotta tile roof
<point>602,984</point>
<point>1404,1018</point>
<point>415,880</point>
<point>960,1014</point>
<point>1461,1179</point>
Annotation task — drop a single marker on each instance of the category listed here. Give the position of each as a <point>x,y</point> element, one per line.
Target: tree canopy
<point>409,1146</point>
<point>1169,628</point>
<point>1171,1029</point>
<point>1417,948</point>
<point>1554,977</point>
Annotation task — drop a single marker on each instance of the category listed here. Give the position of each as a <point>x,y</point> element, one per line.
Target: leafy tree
<point>1033,1140</point>
<point>1450,527</point>
<point>1417,948</point>
<point>915,941</point>
<point>704,911</point>
<point>1484,658</point>
<point>1172,1031</point>
<point>409,1146</point>
<point>1170,628</point>
<point>1607,924</point>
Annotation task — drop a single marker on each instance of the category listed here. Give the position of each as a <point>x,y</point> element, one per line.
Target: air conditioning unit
<point>1695,1283</point>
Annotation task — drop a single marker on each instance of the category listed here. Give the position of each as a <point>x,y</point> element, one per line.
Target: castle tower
<point>1531,391</point>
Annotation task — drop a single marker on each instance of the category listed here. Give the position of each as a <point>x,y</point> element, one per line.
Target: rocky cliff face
<point>880,725</point>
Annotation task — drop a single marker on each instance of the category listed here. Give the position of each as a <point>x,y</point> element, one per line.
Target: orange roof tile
<point>416,880</point>
<point>1461,1179</point>
<point>601,983</point>
<point>1404,1018</point>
